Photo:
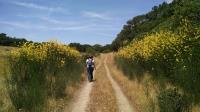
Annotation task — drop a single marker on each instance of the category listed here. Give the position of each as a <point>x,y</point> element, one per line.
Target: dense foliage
<point>86,48</point>
<point>10,41</point>
<point>165,43</point>
<point>39,71</point>
<point>171,100</point>
<point>165,16</point>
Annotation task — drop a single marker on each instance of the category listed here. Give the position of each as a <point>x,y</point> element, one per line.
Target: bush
<point>171,57</point>
<point>39,71</point>
<point>171,100</point>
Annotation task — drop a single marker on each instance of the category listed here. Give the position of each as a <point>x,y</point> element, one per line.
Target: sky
<point>82,21</point>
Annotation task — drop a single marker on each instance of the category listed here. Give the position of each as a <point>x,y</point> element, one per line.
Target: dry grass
<point>60,105</point>
<point>196,108</point>
<point>54,105</point>
<point>102,95</point>
<point>5,103</point>
<point>72,92</point>
<point>4,51</point>
<point>142,95</point>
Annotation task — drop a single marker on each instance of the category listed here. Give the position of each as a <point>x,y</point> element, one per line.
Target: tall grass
<point>172,57</point>
<point>41,71</point>
<point>5,103</point>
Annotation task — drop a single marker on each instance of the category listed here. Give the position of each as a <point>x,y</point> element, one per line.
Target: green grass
<point>5,103</point>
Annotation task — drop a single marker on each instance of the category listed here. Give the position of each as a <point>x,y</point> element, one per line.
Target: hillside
<point>164,46</point>
<point>162,17</point>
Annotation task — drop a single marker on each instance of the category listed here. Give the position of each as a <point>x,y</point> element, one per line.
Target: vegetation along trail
<point>151,65</point>
<point>122,101</point>
<point>102,95</point>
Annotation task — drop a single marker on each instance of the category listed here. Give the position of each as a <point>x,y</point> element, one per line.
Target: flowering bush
<point>38,71</point>
<point>171,55</point>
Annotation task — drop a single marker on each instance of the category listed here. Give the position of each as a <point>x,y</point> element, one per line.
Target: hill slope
<point>162,17</point>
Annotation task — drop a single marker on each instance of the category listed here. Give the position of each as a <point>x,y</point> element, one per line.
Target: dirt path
<point>102,95</point>
<point>122,101</point>
<point>81,102</point>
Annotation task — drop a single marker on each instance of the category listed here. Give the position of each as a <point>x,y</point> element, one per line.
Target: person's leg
<point>91,76</point>
<point>92,69</point>
<point>88,73</point>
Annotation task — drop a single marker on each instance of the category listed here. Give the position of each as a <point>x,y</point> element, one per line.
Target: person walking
<point>90,68</point>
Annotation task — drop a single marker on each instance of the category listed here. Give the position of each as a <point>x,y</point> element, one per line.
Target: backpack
<point>90,62</point>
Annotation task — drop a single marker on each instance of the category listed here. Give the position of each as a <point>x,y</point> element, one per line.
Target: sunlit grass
<point>5,102</point>
<point>141,94</point>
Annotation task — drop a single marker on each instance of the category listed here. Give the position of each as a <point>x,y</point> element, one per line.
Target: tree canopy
<point>10,41</point>
<point>163,17</point>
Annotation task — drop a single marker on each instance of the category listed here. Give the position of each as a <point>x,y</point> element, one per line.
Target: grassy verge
<point>141,94</point>
<point>147,92</point>
<point>5,102</point>
<point>171,58</point>
<point>36,84</point>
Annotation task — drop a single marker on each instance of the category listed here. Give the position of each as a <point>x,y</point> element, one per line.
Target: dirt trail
<point>122,101</point>
<point>81,102</point>
<point>102,95</point>
<point>83,98</point>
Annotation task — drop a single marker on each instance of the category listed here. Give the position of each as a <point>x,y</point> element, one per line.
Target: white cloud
<point>105,34</point>
<point>15,24</point>
<point>55,21</point>
<point>51,20</point>
<point>43,27</point>
<point>95,15</point>
<point>70,28</point>
<point>23,25</point>
<point>168,1</point>
<point>38,7</point>
<point>47,19</point>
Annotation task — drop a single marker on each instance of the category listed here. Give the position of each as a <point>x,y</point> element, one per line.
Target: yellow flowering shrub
<point>41,70</point>
<point>170,55</point>
<point>152,46</point>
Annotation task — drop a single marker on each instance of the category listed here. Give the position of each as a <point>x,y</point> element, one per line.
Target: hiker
<point>90,67</point>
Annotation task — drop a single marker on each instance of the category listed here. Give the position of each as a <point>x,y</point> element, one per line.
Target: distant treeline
<point>91,48</point>
<point>11,41</point>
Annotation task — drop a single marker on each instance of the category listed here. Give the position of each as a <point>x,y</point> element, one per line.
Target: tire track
<point>83,98</point>
<point>102,96</point>
<point>122,101</point>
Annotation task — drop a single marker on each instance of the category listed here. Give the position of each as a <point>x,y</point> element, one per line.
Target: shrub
<point>171,57</point>
<point>171,100</point>
<point>39,71</point>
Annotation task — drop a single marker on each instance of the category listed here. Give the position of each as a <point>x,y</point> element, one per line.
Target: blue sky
<point>83,21</point>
